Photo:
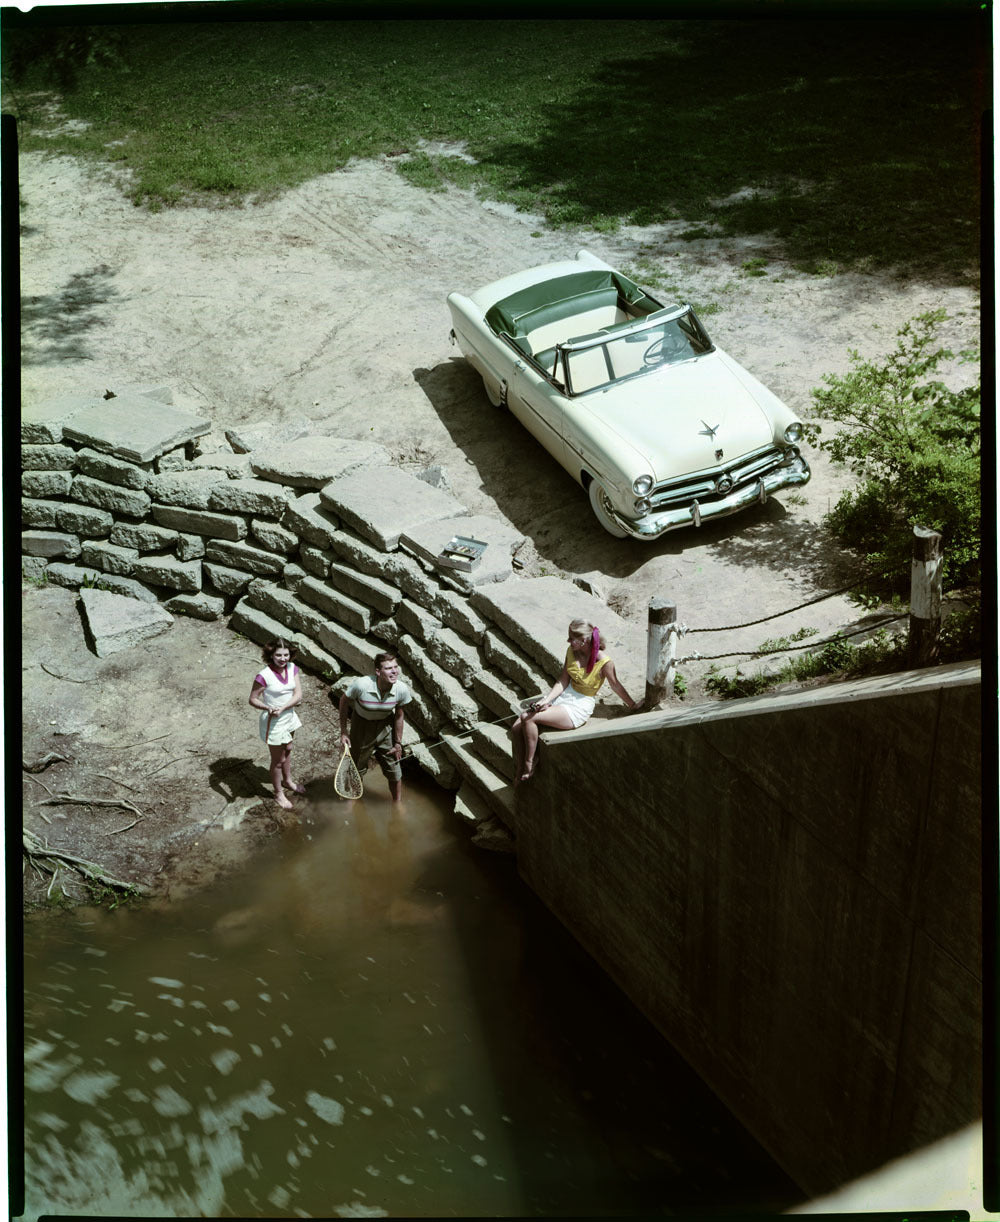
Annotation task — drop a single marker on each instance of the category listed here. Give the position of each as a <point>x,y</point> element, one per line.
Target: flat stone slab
<point>247,438</point>
<point>383,503</point>
<point>311,462</point>
<point>44,422</point>
<point>134,427</point>
<point>116,622</point>
<point>535,613</point>
<point>427,541</point>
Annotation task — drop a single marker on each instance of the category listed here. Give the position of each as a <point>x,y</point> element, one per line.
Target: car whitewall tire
<point>601,506</point>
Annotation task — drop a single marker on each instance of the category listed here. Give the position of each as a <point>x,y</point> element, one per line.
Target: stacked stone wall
<point>319,540</point>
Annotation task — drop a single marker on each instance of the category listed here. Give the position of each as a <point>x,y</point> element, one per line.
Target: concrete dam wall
<point>789,888</point>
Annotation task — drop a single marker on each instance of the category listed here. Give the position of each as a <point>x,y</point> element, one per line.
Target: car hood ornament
<point>709,430</point>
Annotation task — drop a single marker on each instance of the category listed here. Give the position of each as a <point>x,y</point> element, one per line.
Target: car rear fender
<point>490,356</point>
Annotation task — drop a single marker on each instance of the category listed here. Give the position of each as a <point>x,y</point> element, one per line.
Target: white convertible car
<point>660,426</point>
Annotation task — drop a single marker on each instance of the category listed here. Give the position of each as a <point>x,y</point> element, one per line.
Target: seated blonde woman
<point>570,701</point>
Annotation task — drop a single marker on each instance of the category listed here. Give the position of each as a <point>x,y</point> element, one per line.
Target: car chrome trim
<point>705,483</point>
<point>654,525</point>
<point>640,324</point>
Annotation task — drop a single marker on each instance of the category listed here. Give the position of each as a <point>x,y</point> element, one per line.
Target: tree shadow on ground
<point>557,517</point>
<point>779,541</point>
<point>54,327</point>
<point>853,142</point>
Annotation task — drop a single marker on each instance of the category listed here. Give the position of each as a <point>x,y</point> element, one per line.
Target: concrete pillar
<point>661,648</point>
<point>925,597</point>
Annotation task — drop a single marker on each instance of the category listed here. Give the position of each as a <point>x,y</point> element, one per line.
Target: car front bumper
<point>795,471</point>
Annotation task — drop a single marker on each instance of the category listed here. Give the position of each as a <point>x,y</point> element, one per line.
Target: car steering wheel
<point>663,349</point>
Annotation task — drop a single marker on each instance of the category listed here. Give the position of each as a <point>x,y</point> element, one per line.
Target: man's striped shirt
<point>371,704</point>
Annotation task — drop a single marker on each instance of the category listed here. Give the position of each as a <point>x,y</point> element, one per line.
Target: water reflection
<point>377,1020</point>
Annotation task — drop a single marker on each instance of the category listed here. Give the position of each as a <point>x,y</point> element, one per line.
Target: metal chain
<point>766,653</point>
<point>778,614</point>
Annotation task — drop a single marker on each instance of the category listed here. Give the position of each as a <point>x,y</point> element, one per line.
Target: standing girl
<point>572,697</point>
<point>276,691</point>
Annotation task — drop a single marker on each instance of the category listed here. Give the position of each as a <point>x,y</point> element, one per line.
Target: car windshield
<point>624,352</point>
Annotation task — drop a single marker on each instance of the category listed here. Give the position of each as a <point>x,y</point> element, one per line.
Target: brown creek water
<point>377,1019</point>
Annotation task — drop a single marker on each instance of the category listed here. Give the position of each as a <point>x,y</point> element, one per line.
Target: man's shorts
<point>370,737</point>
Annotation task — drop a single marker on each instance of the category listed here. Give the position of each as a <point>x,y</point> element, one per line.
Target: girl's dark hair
<point>272,647</point>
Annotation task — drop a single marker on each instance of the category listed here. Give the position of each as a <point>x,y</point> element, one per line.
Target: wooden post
<point>661,649</point>
<point>925,597</point>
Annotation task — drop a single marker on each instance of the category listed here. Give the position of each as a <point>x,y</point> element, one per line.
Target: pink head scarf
<point>595,649</point>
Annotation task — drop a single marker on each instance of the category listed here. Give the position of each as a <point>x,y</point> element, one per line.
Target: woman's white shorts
<point>576,704</point>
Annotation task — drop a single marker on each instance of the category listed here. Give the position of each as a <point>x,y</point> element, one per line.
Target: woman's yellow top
<point>586,685</point>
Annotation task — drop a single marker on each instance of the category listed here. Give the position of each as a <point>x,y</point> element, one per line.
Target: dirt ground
<point>327,307</point>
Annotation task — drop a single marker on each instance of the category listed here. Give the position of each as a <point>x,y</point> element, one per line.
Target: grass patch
<point>805,130</point>
<point>754,267</point>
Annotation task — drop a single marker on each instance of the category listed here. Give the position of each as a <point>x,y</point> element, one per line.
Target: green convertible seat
<point>564,297</point>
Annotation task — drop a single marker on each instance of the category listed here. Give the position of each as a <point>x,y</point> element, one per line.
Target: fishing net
<point>347,780</point>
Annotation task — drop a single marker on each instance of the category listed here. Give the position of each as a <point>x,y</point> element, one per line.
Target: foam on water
<point>326,1109</point>
<point>225,1060</point>
<point>89,1087</point>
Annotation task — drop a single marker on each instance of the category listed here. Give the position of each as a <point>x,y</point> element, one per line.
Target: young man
<point>375,707</point>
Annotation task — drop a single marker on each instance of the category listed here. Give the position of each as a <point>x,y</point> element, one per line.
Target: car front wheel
<point>601,505</point>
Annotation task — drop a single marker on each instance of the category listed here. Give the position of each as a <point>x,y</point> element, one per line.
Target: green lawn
<point>854,141</point>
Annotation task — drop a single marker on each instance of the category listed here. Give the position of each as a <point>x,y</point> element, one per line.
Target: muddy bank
<point>165,729</point>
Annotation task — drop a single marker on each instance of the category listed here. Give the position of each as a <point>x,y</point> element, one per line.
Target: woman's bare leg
<point>553,718</point>
<point>277,763</point>
<point>286,771</point>
<point>518,747</point>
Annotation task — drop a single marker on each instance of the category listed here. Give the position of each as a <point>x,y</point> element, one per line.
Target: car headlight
<point>642,484</point>
<point>793,432</point>
<point>641,507</point>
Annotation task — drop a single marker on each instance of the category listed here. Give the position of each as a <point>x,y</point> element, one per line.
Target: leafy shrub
<point>915,446</point>
<point>62,53</point>
<point>881,652</point>
<point>961,633</point>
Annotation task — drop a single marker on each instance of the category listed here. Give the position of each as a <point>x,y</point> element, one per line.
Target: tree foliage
<point>59,54</point>
<point>914,445</point>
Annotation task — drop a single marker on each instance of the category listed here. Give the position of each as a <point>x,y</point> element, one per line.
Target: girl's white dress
<point>277,691</point>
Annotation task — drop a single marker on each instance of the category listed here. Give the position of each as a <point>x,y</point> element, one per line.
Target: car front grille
<point>702,486</point>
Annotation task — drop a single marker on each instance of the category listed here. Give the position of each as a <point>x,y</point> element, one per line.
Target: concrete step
<point>493,746</point>
<point>494,694</point>
<point>515,665</point>
<point>452,699</point>
<point>470,806</point>
<point>496,791</point>
<point>436,764</point>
